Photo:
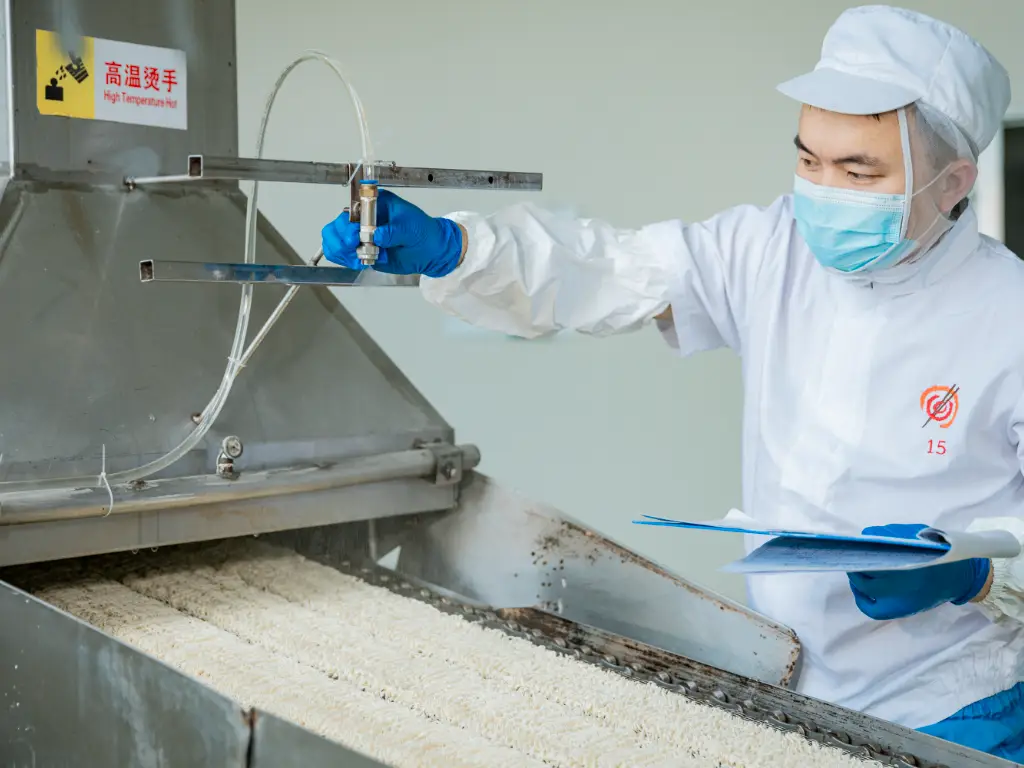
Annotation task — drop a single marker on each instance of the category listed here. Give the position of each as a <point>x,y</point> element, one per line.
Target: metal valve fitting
<point>367,251</point>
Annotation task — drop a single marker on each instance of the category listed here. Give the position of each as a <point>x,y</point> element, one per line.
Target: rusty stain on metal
<point>790,670</point>
<point>548,542</point>
<point>574,541</point>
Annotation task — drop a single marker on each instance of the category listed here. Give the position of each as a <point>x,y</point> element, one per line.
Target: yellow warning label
<point>65,79</point>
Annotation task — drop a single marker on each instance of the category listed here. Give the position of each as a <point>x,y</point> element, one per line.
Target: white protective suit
<point>835,369</point>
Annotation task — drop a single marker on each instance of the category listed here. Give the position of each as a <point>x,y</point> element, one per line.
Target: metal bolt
<point>448,471</point>
<point>226,467</point>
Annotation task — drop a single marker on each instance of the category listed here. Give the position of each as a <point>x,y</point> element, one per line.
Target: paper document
<point>802,551</point>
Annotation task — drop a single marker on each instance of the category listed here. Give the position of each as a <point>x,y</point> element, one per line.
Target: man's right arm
<point>528,272</point>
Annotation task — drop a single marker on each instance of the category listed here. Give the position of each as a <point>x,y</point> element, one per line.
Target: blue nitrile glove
<point>896,594</point>
<point>411,242</point>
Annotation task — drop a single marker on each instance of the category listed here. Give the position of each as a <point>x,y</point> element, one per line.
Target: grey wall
<point>678,94</point>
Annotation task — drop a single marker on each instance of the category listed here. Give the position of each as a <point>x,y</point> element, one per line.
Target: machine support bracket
<point>449,462</point>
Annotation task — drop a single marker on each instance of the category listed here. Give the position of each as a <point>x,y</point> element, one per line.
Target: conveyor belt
<point>700,683</point>
<point>416,682</point>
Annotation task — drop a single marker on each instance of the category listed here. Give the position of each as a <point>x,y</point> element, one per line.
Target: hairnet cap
<point>876,58</point>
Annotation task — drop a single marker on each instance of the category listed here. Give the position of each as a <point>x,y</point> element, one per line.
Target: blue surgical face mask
<point>850,230</point>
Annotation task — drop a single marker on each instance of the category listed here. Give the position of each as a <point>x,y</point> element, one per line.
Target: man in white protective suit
<point>883,357</point>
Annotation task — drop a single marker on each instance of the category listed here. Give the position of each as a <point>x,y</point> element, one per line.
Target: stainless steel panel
<point>5,100</point>
<point>72,697</point>
<point>278,743</point>
<point>508,552</point>
<point>58,539</point>
<point>92,357</point>
<point>46,146</point>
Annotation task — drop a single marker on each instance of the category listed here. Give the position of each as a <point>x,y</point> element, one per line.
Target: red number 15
<point>937,446</point>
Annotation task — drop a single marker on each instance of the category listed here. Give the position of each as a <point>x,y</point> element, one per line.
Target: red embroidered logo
<point>941,405</point>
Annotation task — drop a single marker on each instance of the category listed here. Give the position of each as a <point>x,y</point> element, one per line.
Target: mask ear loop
<point>908,170</point>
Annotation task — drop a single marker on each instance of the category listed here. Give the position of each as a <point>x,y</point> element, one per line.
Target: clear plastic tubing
<point>239,354</point>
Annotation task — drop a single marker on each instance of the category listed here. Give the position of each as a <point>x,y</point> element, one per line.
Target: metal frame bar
<point>181,492</point>
<point>168,271</point>
<point>217,168</point>
<point>151,271</point>
<point>50,539</point>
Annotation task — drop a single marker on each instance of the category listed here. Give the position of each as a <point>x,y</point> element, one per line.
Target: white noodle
<point>359,719</point>
<point>338,645</point>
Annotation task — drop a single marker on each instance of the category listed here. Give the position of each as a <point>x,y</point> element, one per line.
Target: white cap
<point>876,59</point>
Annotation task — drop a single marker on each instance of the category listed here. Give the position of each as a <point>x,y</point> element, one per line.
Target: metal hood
<point>103,370</point>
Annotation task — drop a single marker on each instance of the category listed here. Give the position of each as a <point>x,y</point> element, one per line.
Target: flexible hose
<point>239,354</point>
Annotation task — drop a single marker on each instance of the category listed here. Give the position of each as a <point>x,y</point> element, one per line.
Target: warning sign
<point>111,80</point>
<point>65,78</point>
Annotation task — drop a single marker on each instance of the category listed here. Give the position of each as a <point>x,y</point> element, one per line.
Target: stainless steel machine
<point>105,372</point>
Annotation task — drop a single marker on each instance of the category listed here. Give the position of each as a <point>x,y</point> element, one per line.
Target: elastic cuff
<point>1001,594</point>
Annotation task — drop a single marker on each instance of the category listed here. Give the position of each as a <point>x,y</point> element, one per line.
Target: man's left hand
<point>896,594</point>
